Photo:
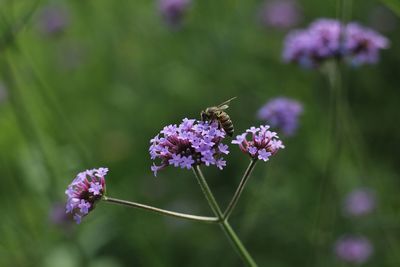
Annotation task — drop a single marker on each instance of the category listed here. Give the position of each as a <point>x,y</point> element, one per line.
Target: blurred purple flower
<point>262,145</point>
<point>173,11</point>
<point>53,20</point>
<point>280,14</point>
<point>326,38</point>
<point>353,249</point>
<point>359,202</point>
<point>189,144</point>
<point>362,44</point>
<point>321,41</point>
<point>283,113</point>
<point>311,46</point>
<point>298,48</point>
<point>85,190</point>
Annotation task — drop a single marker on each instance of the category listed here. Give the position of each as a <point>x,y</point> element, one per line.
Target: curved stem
<point>162,211</point>
<point>240,189</point>
<point>230,233</point>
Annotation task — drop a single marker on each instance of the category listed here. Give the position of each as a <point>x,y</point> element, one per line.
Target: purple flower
<point>223,149</point>
<point>239,139</point>
<point>187,162</point>
<point>298,47</point>
<point>362,45</point>
<point>353,249</point>
<point>95,188</point>
<point>262,145</point>
<point>188,144</point>
<point>85,190</point>
<point>264,154</point>
<point>173,11</point>
<point>252,150</point>
<point>220,163</point>
<point>312,46</point>
<point>328,39</point>
<point>53,20</point>
<point>359,202</point>
<point>283,113</point>
<point>175,160</point>
<point>280,14</point>
<point>84,206</point>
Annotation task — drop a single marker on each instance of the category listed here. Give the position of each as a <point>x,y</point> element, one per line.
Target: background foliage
<point>94,94</point>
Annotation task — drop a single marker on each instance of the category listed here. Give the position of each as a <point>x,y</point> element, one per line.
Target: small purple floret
<point>262,145</point>
<point>85,190</point>
<point>95,188</point>
<point>223,149</point>
<point>282,113</point>
<point>84,207</point>
<point>263,154</point>
<point>188,144</point>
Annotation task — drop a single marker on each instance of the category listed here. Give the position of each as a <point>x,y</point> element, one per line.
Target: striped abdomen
<point>226,123</point>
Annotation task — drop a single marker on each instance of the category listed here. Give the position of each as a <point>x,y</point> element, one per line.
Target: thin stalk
<point>235,241</point>
<point>162,211</point>
<point>207,192</point>
<point>325,216</point>
<point>230,233</point>
<point>240,189</point>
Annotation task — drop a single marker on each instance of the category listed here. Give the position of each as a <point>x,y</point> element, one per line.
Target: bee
<point>218,113</point>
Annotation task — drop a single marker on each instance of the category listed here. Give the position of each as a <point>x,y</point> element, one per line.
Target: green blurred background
<point>95,93</point>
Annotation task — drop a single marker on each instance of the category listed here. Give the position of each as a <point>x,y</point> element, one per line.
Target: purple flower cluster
<point>188,144</point>
<point>283,113</point>
<point>327,38</point>
<point>173,11</point>
<point>359,202</point>
<point>262,145</point>
<point>311,46</point>
<point>353,249</point>
<point>85,190</point>
<point>280,14</point>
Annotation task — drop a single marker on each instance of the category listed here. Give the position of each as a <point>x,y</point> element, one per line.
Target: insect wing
<point>225,104</point>
<point>223,107</point>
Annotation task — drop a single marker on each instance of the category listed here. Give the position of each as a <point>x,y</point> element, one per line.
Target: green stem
<point>325,214</point>
<point>334,138</point>
<point>240,189</point>
<point>162,211</point>
<point>230,233</point>
<point>207,192</point>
